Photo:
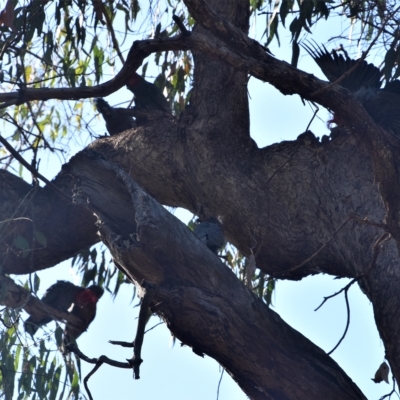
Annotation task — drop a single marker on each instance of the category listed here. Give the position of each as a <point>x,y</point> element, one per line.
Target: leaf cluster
<point>32,370</point>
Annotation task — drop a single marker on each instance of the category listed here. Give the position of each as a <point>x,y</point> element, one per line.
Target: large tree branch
<point>203,303</point>
<point>27,213</point>
<point>138,52</point>
<point>284,203</point>
<point>230,191</point>
<point>289,80</point>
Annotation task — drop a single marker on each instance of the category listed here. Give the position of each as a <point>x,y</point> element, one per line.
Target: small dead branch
<point>344,289</point>
<point>219,382</point>
<point>377,246</point>
<point>31,169</point>
<point>155,326</point>
<point>392,392</point>
<point>366,221</point>
<point>112,33</point>
<point>181,27</point>
<point>149,292</point>
<point>313,117</point>
<point>71,347</point>
<point>347,322</point>
<point>122,344</point>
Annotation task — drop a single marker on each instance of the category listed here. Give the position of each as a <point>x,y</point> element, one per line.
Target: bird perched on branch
<point>84,307</point>
<point>116,120</point>
<point>67,297</point>
<point>211,234</point>
<point>148,97</point>
<point>365,82</point>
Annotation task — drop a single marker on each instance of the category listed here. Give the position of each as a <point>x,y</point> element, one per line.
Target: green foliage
<point>305,14</point>
<point>262,285</point>
<point>63,49</point>
<point>94,267</point>
<point>32,369</point>
<point>71,45</point>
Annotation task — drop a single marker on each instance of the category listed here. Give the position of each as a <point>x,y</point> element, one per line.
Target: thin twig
<point>181,26</point>
<point>365,221</point>
<point>393,390</point>
<point>30,168</point>
<point>122,344</point>
<point>113,37</point>
<point>41,135</point>
<point>347,322</point>
<point>219,383</point>
<point>4,323</point>
<point>377,246</point>
<point>342,77</point>
<point>312,119</point>
<point>98,363</point>
<point>136,360</point>
<point>87,377</point>
<point>132,344</point>
<point>340,291</point>
<point>155,326</point>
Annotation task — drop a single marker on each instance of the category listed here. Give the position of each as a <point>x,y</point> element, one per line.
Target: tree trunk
<point>300,207</point>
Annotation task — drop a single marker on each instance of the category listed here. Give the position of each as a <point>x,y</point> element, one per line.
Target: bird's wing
<point>334,65</point>
<point>61,296</point>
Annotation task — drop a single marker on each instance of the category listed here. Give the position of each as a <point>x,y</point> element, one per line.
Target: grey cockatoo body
<point>116,121</point>
<point>147,95</point>
<point>211,234</point>
<point>150,102</point>
<point>67,297</point>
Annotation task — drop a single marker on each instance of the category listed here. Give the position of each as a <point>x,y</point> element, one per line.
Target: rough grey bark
<point>299,206</point>
<point>201,300</point>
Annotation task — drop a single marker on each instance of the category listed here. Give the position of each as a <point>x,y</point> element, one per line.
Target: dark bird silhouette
<point>382,374</point>
<point>84,307</point>
<point>211,234</point>
<point>365,81</point>
<point>67,297</point>
<point>334,65</point>
<point>148,97</point>
<point>116,121</point>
